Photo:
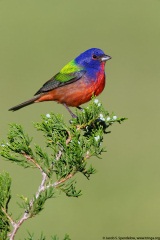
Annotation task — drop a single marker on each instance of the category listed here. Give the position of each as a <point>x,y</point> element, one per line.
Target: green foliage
<point>18,144</point>
<point>39,202</point>
<point>5,196</point>
<point>69,189</point>
<point>68,148</point>
<point>42,237</point>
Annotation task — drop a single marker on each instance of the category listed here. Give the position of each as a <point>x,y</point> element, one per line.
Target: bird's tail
<point>24,104</point>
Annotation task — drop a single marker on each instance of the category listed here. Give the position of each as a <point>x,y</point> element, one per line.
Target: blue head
<point>92,58</point>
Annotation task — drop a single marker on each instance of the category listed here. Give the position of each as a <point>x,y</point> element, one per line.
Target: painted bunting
<point>76,83</point>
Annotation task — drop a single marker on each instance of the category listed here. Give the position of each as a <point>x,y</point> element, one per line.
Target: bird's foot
<point>68,109</point>
<point>81,109</point>
<point>73,115</point>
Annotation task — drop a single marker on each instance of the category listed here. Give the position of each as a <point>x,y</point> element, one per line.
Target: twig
<point>69,138</point>
<point>41,188</point>
<point>42,185</point>
<point>26,215</point>
<point>32,160</point>
<point>59,154</point>
<point>17,226</point>
<point>62,180</point>
<point>87,155</point>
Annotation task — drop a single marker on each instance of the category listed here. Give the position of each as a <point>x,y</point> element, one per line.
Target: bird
<point>76,83</point>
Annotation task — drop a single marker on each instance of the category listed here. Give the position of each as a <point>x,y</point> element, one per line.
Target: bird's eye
<point>94,56</point>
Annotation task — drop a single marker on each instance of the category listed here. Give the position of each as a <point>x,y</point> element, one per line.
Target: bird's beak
<point>105,58</point>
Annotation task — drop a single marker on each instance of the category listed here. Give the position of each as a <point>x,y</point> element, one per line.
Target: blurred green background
<point>37,38</point>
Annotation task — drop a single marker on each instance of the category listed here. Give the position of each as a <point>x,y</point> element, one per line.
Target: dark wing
<point>61,79</point>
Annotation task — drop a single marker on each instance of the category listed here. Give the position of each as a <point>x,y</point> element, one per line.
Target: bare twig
<point>62,180</point>
<point>42,185</point>
<point>41,188</point>
<point>26,215</point>
<point>17,226</point>
<point>87,155</point>
<point>69,138</point>
<point>58,156</point>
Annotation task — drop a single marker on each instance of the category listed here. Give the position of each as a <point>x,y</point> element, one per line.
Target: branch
<point>69,138</point>
<point>17,226</point>
<point>41,189</point>
<point>29,158</point>
<point>26,215</point>
<point>62,180</point>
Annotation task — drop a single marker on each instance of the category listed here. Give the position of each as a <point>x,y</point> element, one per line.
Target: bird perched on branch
<point>76,83</point>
